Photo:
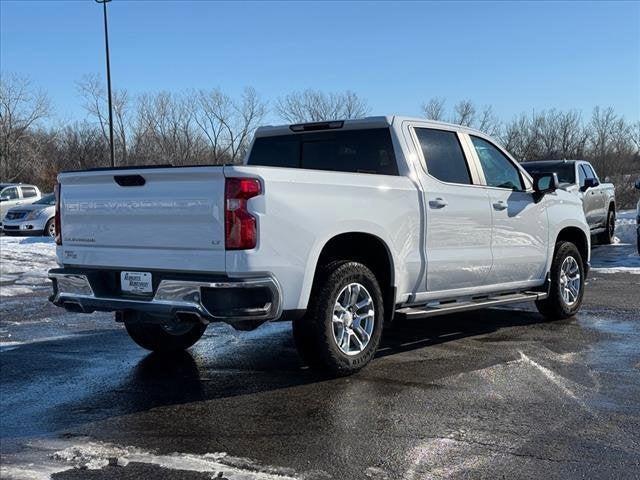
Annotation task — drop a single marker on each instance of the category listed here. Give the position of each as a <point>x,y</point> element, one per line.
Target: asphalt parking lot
<point>492,394</point>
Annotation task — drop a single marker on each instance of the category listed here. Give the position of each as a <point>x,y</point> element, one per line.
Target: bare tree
<point>464,113</point>
<point>95,102</point>
<point>572,136</point>
<point>521,137</point>
<point>488,122</point>
<point>315,106</point>
<point>21,110</point>
<point>434,109</point>
<point>164,130</point>
<point>227,124</point>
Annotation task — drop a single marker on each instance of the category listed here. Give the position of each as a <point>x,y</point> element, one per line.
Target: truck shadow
<point>263,373</point>
<point>274,364</point>
<point>407,335</point>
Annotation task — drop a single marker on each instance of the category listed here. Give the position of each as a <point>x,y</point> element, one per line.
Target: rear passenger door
<point>520,226</point>
<point>458,216</point>
<point>29,194</point>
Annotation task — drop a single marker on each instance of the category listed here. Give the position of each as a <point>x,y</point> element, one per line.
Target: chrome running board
<point>433,309</point>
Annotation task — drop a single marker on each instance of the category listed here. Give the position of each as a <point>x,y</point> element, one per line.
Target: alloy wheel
<point>570,281</point>
<point>353,319</point>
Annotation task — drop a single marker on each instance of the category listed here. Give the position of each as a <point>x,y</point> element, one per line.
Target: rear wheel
<point>342,328</point>
<point>606,237</point>
<point>567,283</point>
<point>164,338</point>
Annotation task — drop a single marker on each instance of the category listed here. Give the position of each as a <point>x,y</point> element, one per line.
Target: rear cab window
<point>29,192</point>
<point>566,171</point>
<point>355,151</point>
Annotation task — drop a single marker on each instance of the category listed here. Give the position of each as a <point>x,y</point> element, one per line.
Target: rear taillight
<point>241,228</point>
<point>56,220</point>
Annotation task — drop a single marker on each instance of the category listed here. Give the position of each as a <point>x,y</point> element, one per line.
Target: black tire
<point>555,307</point>
<point>638,237</point>
<point>606,237</point>
<point>314,333</point>
<point>162,338</point>
<point>49,227</point>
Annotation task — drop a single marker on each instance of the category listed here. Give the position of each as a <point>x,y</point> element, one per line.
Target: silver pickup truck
<point>598,199</point>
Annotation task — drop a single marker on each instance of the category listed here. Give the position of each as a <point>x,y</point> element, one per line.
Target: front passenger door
<point>520,228</point>
<point>593,200</point>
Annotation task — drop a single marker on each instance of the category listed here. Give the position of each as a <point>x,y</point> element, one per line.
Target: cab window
<point>443,155</point>
<point>498,170</point>
<point>10,193</point>
<point>582,176</point>
<point>353,151</point>
<point>589,171</point>
<point>29,192</point>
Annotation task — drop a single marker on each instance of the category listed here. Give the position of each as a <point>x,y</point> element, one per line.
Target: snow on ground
<point>61,455</point>
<point>622,255</point>
<point>24,263</point>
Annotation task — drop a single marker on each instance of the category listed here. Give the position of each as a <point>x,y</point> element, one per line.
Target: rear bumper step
<point>231,301</point>
<point>434,309</point>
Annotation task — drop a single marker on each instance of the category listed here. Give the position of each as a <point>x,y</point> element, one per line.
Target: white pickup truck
<point>337,226</point>
<point>598,199</point>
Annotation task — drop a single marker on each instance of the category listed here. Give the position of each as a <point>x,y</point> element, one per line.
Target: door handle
<point>500,205</point>
<point>438,203</point>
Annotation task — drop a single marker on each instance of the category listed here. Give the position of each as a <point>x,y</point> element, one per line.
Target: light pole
<point>106,44</point>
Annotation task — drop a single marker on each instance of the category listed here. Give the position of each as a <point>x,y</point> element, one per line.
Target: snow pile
<point>622,255</point>
<point>53,456</point>
<point>24,263</point>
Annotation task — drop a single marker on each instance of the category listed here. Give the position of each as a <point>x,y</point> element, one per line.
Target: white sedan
<point>36,218</point>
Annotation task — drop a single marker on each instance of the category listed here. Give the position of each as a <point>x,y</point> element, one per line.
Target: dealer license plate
<point>136,282</point>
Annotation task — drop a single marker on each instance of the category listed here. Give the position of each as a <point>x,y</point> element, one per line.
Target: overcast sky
<point>516,56</point>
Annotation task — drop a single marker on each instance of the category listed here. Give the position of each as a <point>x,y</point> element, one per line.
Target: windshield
<point>46,200</point>
<point>566,171</point>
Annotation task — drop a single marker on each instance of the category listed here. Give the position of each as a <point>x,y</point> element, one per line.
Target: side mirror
<point>4,199</point>
<point>589,183</point>
<point>638,184</point>
<point>545,183</point>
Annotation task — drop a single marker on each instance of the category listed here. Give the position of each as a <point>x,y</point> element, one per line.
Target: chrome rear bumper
<point>172,297</point>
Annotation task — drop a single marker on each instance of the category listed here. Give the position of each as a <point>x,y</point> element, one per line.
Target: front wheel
<point>341,330</point>
<point>165,338</point>
<point>50,228</point>
<point>567,283</point>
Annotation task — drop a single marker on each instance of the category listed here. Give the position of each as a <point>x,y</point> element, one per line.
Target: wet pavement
<point>490,394</point>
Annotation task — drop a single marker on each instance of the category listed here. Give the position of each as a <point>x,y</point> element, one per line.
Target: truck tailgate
<point>156,218</point>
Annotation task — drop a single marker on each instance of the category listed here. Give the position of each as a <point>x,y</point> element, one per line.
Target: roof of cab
<point>367,122</point>
<point>554,162</point>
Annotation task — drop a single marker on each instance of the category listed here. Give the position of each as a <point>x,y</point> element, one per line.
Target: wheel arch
<point>576,236</point>
<point>368,249</point>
